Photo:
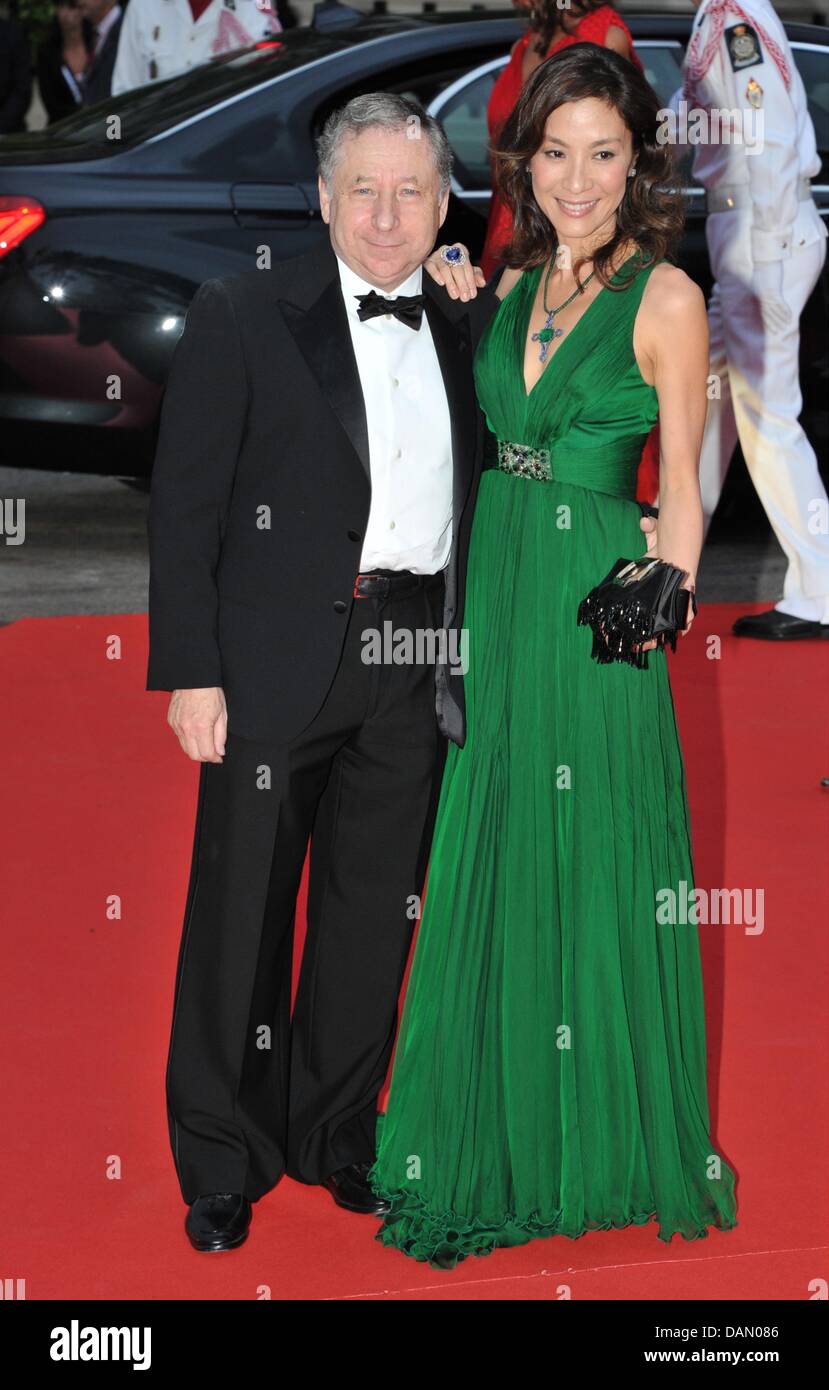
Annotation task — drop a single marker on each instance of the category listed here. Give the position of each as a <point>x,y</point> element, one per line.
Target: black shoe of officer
<point>350,1190</point>
<point>773,626</point>
<point>218,1221</point>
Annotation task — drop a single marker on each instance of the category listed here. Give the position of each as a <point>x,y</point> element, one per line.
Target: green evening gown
<point>550,1074</point>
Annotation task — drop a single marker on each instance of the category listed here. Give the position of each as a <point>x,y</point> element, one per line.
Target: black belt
<point>381,583</point>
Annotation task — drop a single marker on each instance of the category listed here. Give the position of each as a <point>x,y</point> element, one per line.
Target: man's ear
<point>443,208</point>
<point>325,201</point>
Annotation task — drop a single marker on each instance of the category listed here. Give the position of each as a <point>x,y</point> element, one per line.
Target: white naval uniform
<point>409,434</point>
<point>774,230</point>
<point>159,38</point>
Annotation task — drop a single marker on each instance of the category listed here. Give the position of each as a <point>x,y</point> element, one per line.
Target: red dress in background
<point>592,28</point>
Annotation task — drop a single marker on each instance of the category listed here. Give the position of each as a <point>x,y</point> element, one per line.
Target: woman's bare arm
<point>617,39</point>
<point>673,340</point>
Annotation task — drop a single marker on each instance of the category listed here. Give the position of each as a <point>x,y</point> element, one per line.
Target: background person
<point>767,246</point>
<point>106,18</point>
<point>62,60</point>
<point>15,76</point>
<point>161,38</point>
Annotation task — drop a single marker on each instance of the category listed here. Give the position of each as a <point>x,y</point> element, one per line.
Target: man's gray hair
<point>388,111</point>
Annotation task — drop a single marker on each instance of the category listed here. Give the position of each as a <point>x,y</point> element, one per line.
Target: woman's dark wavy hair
<point>652,211</point>
<point>548,19</point>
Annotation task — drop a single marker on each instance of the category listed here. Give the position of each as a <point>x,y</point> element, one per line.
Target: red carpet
<point>98,808</point>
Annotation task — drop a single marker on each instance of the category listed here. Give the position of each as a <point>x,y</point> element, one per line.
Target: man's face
<point>385,208</point>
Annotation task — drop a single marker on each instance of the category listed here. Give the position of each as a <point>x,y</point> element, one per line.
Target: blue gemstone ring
<point>453,255</point>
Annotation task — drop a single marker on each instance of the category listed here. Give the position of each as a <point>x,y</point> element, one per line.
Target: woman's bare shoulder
<point>509,279</point>
<point>671,293</point>
<point>672,311</point>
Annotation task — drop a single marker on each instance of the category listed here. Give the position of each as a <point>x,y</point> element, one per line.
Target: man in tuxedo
<point>314,478</point>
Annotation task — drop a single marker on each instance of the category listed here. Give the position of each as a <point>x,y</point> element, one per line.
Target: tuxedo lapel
<point>320,329</point>
<point>317,318</point>
<point>454,352</point>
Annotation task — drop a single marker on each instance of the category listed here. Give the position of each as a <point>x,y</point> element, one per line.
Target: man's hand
<point>199,720</point>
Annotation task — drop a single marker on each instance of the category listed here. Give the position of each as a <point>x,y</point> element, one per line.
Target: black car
<point>110,219</point>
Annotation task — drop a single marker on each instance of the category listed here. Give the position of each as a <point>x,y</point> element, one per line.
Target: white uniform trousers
<point>760,402</point>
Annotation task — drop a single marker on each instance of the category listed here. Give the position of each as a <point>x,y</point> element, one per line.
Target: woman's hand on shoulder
<point>459,281</point>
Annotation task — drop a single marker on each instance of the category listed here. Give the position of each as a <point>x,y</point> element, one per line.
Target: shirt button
<point>354,536</point>
<point>392,525</point>
<point>339,606</point>
<point>398,453</point>
<point>395,381</point>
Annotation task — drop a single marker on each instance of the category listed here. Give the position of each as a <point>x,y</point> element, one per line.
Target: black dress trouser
<point>252,1092</point>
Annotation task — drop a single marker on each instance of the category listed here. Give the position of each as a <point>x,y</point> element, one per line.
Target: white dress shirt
<point>409,433</point>
<point>102,29</point>
<point>787,150</point>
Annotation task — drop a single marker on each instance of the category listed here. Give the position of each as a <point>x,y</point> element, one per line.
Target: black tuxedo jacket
<point>261,488</point>
<point>98,80</point>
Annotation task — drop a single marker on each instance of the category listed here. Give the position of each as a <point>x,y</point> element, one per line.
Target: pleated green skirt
<point>550,1074</point>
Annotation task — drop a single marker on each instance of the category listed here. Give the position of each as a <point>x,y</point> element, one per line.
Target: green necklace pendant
<point>545,335</point>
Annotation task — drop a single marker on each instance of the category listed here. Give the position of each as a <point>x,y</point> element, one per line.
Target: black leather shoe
<point>774,626</point>
<point>350,1190</point>
<point>219,1221</point>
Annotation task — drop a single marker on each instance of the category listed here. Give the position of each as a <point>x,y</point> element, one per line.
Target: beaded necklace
<point>545,335</point>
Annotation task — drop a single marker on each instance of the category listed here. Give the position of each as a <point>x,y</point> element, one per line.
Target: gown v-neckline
<point>525,323</point>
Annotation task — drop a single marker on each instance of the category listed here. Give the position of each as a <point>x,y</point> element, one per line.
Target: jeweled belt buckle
<point>524,461</point>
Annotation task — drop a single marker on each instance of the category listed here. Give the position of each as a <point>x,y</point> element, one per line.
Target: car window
<point>424,80</point>
<point>663,69</point>
<point>463,117</point>
<point>663,64</point>
<point>813,67</point>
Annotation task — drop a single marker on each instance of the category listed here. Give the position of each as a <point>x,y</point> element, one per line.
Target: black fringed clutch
<point>639,600</point>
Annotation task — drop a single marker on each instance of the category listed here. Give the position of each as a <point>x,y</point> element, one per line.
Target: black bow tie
<point>408,308</point>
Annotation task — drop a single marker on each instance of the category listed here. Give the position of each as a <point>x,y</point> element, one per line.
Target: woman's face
<point>579,173</point>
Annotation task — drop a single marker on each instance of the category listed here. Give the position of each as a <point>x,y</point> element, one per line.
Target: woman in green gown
<point>550,1074</point>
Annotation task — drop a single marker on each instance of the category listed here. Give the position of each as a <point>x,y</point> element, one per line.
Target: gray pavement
<point>85,551</point>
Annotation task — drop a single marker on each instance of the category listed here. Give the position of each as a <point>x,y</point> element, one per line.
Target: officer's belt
<point>738,195</point>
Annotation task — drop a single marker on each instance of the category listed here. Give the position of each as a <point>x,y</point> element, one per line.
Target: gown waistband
<point>610,468</point>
